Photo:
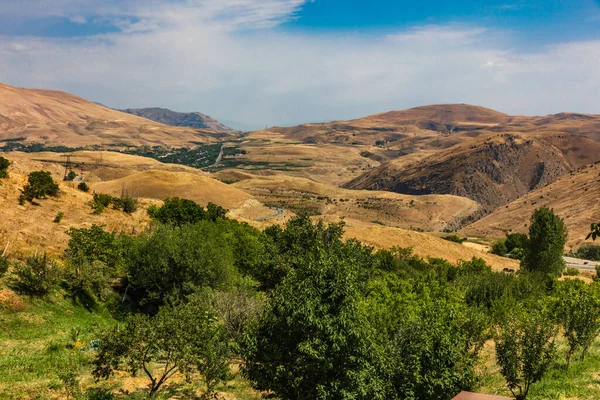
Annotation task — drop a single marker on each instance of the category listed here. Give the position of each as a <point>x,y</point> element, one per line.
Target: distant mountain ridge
<point>174,118</point>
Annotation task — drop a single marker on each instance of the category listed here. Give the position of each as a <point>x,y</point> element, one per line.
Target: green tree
<point>313,341</point>
<point>578,312</point>
<point>499,248</point>
<point>525,349</point>
<point>4,264</point>
<point>516,241</point>
<point>589,252</point>
<point>4,164</point>
<point>38,276</point>
<point>179,338</point>
<point>83,187</point>
<point>177,211</point>
<point>71,176</point>
<point>40,184</point>
<point>169,259</point>
<point>545,248</point>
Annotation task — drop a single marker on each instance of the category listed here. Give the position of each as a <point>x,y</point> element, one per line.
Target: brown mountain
<point>573,196</point>
<point>56,118</point>
<point>173,118</point>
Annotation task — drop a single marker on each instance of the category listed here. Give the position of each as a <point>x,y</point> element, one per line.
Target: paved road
<point>579,263</point>
<point>278,213</point>
<point>219,157</point>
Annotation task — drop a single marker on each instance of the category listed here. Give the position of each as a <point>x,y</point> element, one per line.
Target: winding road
<point>278,213</point>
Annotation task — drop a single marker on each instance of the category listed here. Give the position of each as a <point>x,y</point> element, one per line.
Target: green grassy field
<point>43,340</point>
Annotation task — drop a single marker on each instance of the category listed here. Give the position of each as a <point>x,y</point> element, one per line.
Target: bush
<point>124,203</point>
<point>177,211</point>
<point>589,252</point>
<point>4,264</point>
<point>4,164</point>
<point>40,184</point>
<point>499,248</point>
<point>38,276</point>
<point>571,272</point>
<point>516,241</point>
<point>70,176</point>
<point>59,217</point>
<point>454,238</point>
<point>83,187</point>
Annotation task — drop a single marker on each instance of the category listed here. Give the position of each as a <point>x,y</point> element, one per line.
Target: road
<point>278,213</point>
<point>219,157</point>
<point>578,263</point>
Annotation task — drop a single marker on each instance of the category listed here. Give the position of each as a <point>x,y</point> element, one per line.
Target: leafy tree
<point>83,187</point>
<point>578,312</point>
<point>71,176</point>
<point>179,338</point>
<point>589,252</point>
<point>168,260</point>
<point>177,211</point>
<point>313,341</point>
<point>545,248</point>
<point>4,164</point>
<point>515,241</point>
<point>594,231</point>
<point>40,184</point>
<point>215,212</point>
<point>38,276</point>
<point>499,248</point>
<point>525,349</point>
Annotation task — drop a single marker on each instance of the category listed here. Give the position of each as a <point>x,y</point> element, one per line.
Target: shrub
<point>499,248</point>
<point>83,187</point>
<point>4,164</point>
<point>59,217</point>
<point>38,276</point>
<point>515,241</point>
<point>454,238</point>
<point>571,272</point>
<point>4,264</point>
<point>589,252</point>
<point>177,211</point>
<point>40,184</point>
<point>71,176</point>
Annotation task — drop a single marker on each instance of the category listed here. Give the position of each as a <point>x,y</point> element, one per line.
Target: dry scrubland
<point>30,227</point>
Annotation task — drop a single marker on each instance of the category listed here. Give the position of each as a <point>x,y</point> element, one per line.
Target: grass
<point>580,382</point>
<point>42,338</point>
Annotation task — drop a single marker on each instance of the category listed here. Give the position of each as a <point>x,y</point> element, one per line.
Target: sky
<point>256,63</point>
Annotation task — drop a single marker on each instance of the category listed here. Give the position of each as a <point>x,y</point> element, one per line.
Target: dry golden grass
<point>430,213</point>
<point>30,227</point>
<point>423,244</point>
<point>57,118</point>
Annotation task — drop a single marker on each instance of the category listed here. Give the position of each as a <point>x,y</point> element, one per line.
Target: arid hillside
<point>29,227</point>
<point>492,170</point>
<point>55,118</point>
<point>174,118</point>
<point>574,197</point>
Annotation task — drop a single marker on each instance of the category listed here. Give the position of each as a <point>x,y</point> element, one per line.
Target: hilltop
<point>174,118</point>
<point>54,118</point>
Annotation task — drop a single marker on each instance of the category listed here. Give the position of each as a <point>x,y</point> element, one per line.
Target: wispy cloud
<point>228,58</point>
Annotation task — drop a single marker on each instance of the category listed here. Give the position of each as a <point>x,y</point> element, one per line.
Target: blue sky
<point>283,62</point>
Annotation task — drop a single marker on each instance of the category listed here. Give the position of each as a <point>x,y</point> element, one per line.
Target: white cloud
<point>227,58</point>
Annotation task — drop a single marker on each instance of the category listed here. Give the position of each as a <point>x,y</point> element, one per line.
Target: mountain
<point>492,170</point>
<point>574,197</point>
<point>173,118</point>
<point>55,118</point>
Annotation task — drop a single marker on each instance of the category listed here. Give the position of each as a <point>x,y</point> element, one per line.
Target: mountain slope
<point>491,170</point>
<point>574,197</point>
<point>173,118</point>
<point>56,118</point>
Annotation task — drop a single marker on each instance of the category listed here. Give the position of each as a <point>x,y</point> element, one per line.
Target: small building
<point>477,396</point>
